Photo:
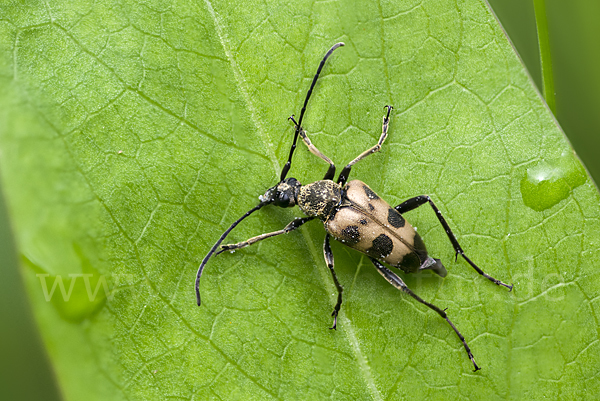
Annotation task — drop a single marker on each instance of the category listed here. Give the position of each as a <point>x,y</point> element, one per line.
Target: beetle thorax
<point>319,198</point>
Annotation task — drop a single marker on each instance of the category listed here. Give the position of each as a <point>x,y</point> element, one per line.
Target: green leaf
<point>133,134</point>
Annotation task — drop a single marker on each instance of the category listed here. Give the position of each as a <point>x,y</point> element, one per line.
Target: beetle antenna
<point>286,168</point>
<point>216,245</point>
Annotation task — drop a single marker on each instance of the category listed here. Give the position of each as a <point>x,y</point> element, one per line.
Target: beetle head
<point>284,194</point>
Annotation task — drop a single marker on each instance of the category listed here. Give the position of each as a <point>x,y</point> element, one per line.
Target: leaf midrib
<point>347,323</point>
<point>348,328</point>
<point>242,88</point>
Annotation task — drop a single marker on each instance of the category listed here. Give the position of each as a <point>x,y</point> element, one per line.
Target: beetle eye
<point>284,199</point>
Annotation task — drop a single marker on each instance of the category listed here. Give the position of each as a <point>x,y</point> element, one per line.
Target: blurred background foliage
<point>574,35</point>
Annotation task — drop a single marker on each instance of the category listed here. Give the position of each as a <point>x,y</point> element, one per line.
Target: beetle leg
<point>329,260</point>
<point>417,201</point>
<point>313,149</point>
<point>384,129</point>
<point>397,282</point>
<point>290,227</point>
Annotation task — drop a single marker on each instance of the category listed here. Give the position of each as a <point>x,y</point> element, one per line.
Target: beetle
<point>355,215</point>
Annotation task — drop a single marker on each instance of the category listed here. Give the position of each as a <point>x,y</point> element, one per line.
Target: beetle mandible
<point>355,215</point>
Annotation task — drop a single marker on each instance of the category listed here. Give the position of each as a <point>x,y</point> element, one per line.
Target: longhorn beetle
<point>355,215</point>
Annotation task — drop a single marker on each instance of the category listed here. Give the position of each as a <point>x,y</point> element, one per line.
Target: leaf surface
<point>134,133</point>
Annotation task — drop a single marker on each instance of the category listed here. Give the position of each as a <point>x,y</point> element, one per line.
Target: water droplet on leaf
<point>551,181</point>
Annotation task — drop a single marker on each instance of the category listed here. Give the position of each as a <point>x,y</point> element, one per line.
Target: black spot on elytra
<point>363,222</point>
<point>382,246</point>
<point>371,207</point>
<point>410,263</point>
<point>418,242</point>
<point>350,235</point>
<point>370,194</point>
<point>420,248</point>
<point>395,218</point>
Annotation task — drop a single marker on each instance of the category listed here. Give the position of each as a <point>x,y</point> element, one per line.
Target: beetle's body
<point>356,216</point>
